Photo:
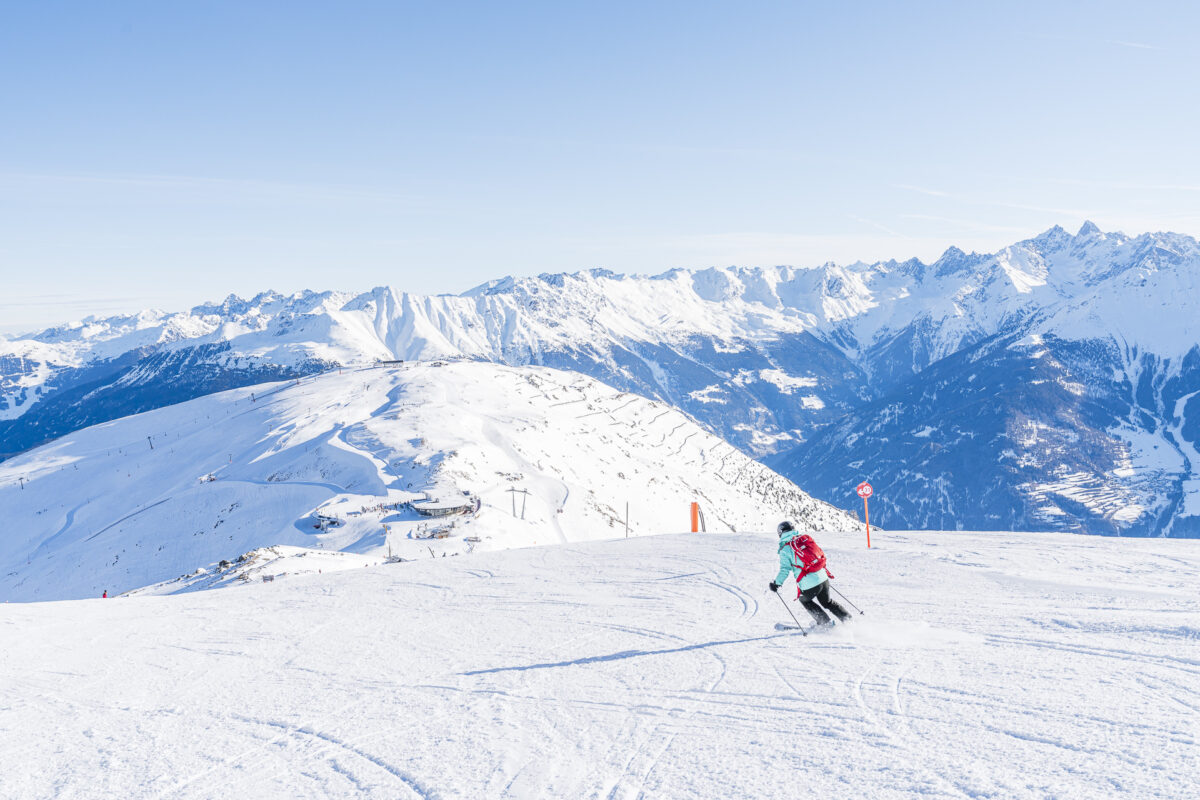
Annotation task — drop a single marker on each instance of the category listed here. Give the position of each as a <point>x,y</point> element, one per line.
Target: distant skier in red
<point>105,595</point>
<point>803,557</point>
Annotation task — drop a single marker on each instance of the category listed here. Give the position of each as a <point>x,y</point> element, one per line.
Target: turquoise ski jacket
<point>787,567</point>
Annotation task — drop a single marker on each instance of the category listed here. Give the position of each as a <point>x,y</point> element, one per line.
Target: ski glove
<point>774,586</point>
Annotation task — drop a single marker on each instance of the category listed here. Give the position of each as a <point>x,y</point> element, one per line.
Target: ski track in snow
<point>130,516</point>
<point>646,667</point>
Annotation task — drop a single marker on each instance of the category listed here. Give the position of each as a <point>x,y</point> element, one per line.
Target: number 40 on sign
<point>864,491</point>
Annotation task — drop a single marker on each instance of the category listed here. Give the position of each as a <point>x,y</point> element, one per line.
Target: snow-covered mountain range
<point>1054,384</point>
<point>349,465</point>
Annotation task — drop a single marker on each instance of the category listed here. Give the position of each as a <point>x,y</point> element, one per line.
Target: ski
<point>780,626</point>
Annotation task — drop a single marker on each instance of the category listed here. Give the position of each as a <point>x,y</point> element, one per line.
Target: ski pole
<point>789,610</point>
<point>847,599</point>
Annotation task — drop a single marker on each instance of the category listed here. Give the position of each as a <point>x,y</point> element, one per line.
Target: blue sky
<point>164,154</point>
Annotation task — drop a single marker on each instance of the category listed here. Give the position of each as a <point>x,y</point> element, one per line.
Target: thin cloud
<point>1053,37</point>
<point>1069,212</point>
<point>921,190</point>
<point>1064,212</point>
<point>1134,45</point>
<point>672,148</point>
<point>1126,186</point>
<point>876,225</point>
<point>221,187</point>
<point>69,301</point>
<point>757,248</point>
<point>967,223</point>
<point>1056,37</point>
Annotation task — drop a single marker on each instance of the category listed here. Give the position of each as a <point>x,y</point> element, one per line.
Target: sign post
<point>864,491</point>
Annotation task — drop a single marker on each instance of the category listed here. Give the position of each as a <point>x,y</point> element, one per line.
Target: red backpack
<point>809,555</point>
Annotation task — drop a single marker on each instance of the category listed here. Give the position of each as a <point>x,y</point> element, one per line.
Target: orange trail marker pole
<point>695,517</point>
<point>864,491</point>
<point>867,517</point>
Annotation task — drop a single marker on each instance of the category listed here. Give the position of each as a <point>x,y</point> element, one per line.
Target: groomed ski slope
<point>988,665</point>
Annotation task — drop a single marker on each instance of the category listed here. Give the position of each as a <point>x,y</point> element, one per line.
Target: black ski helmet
<point>785,527</point>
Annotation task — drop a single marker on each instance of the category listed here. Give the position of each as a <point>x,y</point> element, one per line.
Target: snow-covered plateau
<point>1001,665</point>
<point>356,466</point>
<point>1054,384</point>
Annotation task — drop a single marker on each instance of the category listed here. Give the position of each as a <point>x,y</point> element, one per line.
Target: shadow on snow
<point>626,654</point>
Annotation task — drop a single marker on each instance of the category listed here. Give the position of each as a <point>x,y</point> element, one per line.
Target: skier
<point>799,554</point>
<point>105,595</point>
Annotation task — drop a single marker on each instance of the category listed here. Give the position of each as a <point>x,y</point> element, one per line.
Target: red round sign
<point>864,489</point>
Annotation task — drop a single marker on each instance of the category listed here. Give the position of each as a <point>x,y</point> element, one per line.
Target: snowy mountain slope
<point>610,327</point>
<point>153,496</point>
<point>1034,432</point>
<point>987,665</point>
<point>776,360</point>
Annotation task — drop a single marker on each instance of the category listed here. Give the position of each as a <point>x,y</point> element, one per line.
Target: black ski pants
<point>810,598</point>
